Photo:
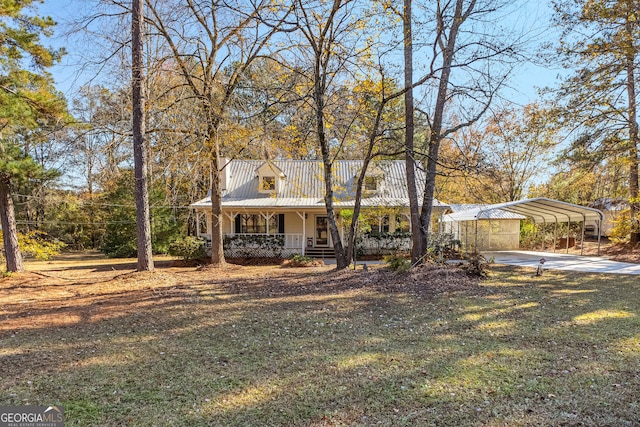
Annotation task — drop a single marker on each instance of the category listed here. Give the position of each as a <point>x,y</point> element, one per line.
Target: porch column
<point>231,216</point>
<point>267,216</point>
<point>304,230</point>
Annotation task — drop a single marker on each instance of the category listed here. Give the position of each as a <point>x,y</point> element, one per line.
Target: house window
<point>268,183</point>
<point>257,224</point>
<point>202,224</point>
<point>384,224</point>
<point>380,225</point>
<point>402,224</point>
<point>370,183</point>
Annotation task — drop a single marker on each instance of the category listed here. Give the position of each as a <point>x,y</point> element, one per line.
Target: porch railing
<point>283,245</point>
<point>249,245</point>
<point>390,243</point>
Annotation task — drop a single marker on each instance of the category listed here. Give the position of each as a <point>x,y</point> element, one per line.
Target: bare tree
<point>330,51</point>
<point>460,43</point>
<point>213,44</point>
<point>322,57</point>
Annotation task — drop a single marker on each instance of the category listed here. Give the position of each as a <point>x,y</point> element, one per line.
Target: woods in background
<point>307,79</point>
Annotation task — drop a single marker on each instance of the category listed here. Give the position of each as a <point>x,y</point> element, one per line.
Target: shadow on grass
<point>337,348</point>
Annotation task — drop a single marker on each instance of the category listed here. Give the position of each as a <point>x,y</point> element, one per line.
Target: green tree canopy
<point>28,103</point>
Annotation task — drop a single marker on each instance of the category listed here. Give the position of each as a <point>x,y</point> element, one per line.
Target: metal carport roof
<point>540,210</point>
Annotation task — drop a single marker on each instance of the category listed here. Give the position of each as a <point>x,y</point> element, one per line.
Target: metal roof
<point>540,210</point>
<point>303,185</point>
<point>463,212</point>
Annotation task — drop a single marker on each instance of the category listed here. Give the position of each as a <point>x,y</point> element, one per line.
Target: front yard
<point>260,346</point>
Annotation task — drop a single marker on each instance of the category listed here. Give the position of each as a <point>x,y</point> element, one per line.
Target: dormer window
<point>370,183</point>
<point>268,183</point>
<point>270,178</point>
<point>373,181</point>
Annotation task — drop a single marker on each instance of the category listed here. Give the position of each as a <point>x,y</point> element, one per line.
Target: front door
<point>322,231</point>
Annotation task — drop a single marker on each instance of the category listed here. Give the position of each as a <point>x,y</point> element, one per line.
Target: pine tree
<point>28,100</point>
<point>599,101</point>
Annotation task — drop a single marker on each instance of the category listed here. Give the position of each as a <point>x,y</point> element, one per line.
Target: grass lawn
<point>267,346</point>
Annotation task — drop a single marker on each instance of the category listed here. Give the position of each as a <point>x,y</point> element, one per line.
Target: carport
<point>543,211</point>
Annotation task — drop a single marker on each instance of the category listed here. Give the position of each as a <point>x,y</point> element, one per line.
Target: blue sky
<point>531,16</point>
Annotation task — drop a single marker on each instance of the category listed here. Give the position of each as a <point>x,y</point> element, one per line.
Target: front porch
<point>269,246</point>
<point>255,234</point>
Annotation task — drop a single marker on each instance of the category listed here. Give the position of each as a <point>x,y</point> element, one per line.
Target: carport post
<point>599,233</point>
<point>584,219</point>
<point>544,232</point>
<point>568,229</point>
<point>475,249</point>
<point>555,234</point>
<point>466,236</point>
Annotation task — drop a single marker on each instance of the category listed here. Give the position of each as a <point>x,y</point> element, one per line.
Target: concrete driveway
<point>558,261</point>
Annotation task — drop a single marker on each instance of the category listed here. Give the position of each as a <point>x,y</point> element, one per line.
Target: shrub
<point>125,250</point>
<point>397,263</point>
<point>621,231</point>
<point>477,265</point>
<point>298,260</point>
<point>39,245</point>
<point>188,248</point>
<point>120,238</point>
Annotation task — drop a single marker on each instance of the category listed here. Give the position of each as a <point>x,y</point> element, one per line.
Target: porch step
<point>319,253</point>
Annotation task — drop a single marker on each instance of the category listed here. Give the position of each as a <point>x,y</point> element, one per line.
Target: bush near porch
<point>440,244</point>
<point>255,246</point>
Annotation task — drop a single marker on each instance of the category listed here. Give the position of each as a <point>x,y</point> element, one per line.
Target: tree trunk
<point>217,246</point>
<point>9,230</point>
<point>412,191</point>
<point>436,125</point>
<point>341,257</point>
<point>633,140</point>
<point>143,223</point>
<point>319,91</point>
<point>432,161</point>
<point>338,248</point>
<point>357,202</point>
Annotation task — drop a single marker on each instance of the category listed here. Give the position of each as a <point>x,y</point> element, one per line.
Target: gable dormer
<point>270,178</point>
<point>373,180</point>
